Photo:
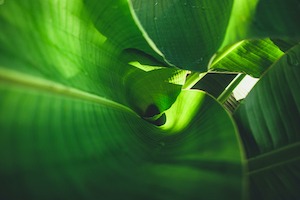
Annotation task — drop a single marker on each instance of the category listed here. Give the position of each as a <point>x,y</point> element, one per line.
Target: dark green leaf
<point>269,123</point>
<point>214,83</point>
<point>285,44</point>
<point>188,33</point>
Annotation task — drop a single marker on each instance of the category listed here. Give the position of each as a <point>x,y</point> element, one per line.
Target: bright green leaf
<point>71,74</point>
<point>251,57</point>
<point>58,142</point>
<point>58,41</point>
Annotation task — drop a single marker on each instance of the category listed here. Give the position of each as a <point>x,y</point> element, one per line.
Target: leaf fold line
<point>274,158</point>
<point>21,79</point>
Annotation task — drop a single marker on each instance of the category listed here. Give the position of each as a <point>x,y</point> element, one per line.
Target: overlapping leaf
<point>188,33</point>
<point>252,57</point>
<point>269,124</point>
<point>59,142</point>
<point>59,41</point>
<point>64,67</point>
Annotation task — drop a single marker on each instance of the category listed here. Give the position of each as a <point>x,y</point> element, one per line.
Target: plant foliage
<point>96,99</point>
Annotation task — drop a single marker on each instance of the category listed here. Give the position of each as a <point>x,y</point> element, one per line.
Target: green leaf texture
<point>71,89</point>
<point>188,33</point>
<point>61,41</point>
<point>252,57</point>
<point>62,143</point>
<point>268,120</point>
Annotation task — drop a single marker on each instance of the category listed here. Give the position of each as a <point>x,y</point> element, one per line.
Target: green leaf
<point>71,74</point>
<point>285,44</point>
<point>149,85</point>
<point>263,19</point>
<point>60,142</point>
<point>252,57</point>
<point>188,33</point>
<point>61,42</point>
<point>268,120</point>
<point>124,34</point>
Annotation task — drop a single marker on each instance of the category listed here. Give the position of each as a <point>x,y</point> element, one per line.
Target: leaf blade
<point>215,26</point>
<point>75,143</point>
<point>268,121</point>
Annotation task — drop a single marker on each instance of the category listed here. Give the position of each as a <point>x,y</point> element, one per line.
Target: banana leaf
<point>76,80</point>
<point>189,33</point>
<point>268,121</point>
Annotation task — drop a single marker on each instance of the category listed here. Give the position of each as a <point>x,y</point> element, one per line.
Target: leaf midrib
<point>22,79</point>
<point>273,159</point>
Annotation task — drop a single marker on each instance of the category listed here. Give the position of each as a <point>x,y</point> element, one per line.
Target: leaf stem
<point>24,80</point>
<point>193,79</point>
<point>274,158</point>
<point>227,92</point>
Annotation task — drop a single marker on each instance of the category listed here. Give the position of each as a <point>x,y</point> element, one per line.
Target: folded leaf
<point>69,81</point>
<point>62,42</point>
<point>188,33</point>
<point>268,120</point>
<point>58,142</point>
<point>114,20</point>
